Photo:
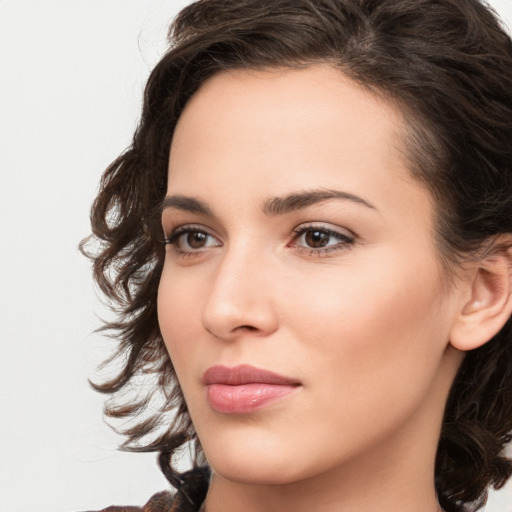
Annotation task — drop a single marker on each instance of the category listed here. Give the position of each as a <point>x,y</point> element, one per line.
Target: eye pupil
<point>196,239</point>
<point>317,238</point>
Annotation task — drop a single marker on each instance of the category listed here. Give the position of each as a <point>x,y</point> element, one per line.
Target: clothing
<point>189,497</point>
<point>160,502</point>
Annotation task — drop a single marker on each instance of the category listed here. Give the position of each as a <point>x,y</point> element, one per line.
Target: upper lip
<point>244,374</point>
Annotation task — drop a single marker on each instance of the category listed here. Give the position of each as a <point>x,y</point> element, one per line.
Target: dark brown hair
<point>448,66</point>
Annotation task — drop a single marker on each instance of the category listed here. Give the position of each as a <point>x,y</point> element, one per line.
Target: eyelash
<point>345,241</point>
<point>185,230</point>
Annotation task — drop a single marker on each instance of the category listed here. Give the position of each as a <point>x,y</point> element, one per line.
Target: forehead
<point>290,129</point>
<point>259,99</point>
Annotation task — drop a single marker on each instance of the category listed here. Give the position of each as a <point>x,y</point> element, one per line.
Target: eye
<point>192,239</point>
<point>321,239</point>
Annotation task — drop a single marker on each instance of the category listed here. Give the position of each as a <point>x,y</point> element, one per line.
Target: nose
<point>240,299</point>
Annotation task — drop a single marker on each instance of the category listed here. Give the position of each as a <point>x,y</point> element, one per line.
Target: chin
<point>253,459</point>
<point>258,456</point>
<point>256,472</point>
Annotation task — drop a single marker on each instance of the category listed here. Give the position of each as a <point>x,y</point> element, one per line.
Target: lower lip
<point>245,398</point>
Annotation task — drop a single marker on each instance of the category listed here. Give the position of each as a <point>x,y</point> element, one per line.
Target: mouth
<point>244,388</point>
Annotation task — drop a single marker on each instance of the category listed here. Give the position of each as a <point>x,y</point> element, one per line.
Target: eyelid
<point>324,226</point>
<point>346,238</point>
<point>184,229</point>
<point>174,232</point>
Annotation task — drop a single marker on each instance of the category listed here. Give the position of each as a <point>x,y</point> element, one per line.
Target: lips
<point>244,389</point>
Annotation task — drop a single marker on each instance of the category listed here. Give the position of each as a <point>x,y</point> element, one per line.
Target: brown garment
<point>192,487</point>
<point>160,502</point>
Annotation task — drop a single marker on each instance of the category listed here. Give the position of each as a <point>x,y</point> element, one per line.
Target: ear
<point>490,300</point>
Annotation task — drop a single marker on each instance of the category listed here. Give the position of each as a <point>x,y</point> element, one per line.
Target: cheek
<point>380,329</point>
<point>178,318</point>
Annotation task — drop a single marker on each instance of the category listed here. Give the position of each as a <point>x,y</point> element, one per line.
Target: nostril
<point>248,327</point>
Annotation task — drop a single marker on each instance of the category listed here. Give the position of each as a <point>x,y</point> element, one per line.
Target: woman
<point>309,245</point>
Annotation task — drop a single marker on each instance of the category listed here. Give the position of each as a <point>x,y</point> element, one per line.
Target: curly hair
<point>447,64</point>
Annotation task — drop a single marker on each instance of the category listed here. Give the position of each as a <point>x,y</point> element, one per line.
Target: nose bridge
<point>238,297</point>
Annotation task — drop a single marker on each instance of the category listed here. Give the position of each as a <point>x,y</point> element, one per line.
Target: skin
<point>364,326</point>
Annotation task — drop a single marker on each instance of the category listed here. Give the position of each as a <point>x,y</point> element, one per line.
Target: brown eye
<point>316,238</point>
<point>320,240</point>
<point>191,239</point>
<point>196,239</point>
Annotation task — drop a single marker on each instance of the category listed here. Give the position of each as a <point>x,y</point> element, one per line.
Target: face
<point>301,298</point>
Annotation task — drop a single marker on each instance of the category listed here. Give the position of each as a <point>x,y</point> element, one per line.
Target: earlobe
<point>490,302</point>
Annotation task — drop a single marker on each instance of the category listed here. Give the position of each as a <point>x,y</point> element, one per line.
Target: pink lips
<point>244,389</point>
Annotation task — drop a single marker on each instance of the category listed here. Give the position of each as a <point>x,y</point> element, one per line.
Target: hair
<point>447,65</point>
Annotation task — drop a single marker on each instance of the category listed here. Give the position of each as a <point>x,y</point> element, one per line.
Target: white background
<point>71,80</point>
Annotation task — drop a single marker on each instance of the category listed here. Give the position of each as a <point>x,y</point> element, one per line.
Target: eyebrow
<point>273,206</point>
<point>301,200</point>
<point>186,203</point>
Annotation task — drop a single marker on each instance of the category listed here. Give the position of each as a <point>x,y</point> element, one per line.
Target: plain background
<point>71,80</point>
